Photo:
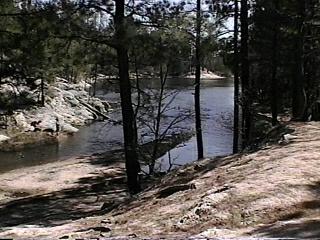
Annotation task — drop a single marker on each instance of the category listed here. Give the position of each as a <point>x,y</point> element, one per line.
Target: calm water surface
<point>217,107</point>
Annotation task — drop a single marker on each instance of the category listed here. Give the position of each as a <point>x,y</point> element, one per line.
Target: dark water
<point>217,116</point>
<point>217,107</point>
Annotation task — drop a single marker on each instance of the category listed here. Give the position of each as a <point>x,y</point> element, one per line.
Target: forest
<point>159,118</point>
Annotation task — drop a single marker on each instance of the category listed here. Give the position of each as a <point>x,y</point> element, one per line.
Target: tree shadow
<point>81,201</point>
<point>108,158</point>
<point>181,176</point>
<point>302,223</point>
<point>87,198</point>
<point>299,230</point>
<point>84,200</point>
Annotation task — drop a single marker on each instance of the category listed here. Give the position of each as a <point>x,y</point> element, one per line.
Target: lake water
<point>99,137</point>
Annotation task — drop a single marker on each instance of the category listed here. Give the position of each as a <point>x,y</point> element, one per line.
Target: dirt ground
<point>271,193</point>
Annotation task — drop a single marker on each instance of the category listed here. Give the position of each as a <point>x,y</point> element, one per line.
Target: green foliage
<point>266,20</point>
<point>70,38</point>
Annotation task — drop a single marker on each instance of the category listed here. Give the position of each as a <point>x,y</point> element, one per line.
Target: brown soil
<point>273,192</point>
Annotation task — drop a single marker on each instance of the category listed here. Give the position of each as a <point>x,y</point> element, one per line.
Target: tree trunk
<point>136,110</point>
<point>29,4</point>
<point>197,84</point>
<point>95,80</point>
<point>236,80</point>
<point>163,78</point>
<point>310,60</point>
<point>1,65</point>
<point>129,124</point>
<point>42,92</point>
<point>298,93</point>
<point>245,74</point>
<point>274,63</point>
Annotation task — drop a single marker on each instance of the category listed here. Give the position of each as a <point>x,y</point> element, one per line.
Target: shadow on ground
<point>303,223</point>
<point>86,199</point>
<point>299,230</point>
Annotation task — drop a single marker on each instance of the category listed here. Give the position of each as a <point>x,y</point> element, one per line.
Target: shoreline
<point>42,179</point>
<point>67,107</point>
<point>229,198</point>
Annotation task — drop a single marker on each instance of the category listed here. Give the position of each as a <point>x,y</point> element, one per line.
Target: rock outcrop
<point>3,138</point>
<point>64,110</point>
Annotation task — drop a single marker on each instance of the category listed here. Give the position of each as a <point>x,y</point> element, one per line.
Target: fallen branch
<point>94,110</point>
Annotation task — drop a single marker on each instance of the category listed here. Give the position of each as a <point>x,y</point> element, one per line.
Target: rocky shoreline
<point>67,107</point>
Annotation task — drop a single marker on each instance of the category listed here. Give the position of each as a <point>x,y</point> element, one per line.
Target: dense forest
<point>71,48</point>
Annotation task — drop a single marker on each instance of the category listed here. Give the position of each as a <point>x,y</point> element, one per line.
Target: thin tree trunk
<point>42,92</point>
<point>29,4</point>
<point>298,93</point>
<point>310,62</point>
<point>1,65</point>
<point>245,74</point>
<point>236,80</point>
<point>129,124</point>
<point>197,84</point>
<point>274,62</point>
<point>136,110</point>
<point>157,138</point>
<point>95,80</point>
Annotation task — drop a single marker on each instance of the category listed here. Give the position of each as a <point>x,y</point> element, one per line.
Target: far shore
<point>205,75</point>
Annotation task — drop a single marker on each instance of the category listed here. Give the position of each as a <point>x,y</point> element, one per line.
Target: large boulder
<point>48,122</point>
<point>82,85</point>
<point>37,82</point>
<point>83,113</point>
<point>97,104</point>
<point>73,102</point>
<point>79,94</point>
<point>63,85</point>
<point>7,94</point>
<point>68,128</point>
<point>54,92</point>
<point>3,138</point>
<point>21,122</point>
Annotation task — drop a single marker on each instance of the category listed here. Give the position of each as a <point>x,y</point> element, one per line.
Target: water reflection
<point>216,99</point>
<point>217,108</point>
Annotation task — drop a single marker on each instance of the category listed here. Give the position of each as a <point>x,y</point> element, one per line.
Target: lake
<point>99,137</point>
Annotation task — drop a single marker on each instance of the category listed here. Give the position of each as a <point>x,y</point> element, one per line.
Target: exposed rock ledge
<point>64,111</point>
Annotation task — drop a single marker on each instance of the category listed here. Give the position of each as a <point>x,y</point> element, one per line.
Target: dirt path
<point>274,192</point>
